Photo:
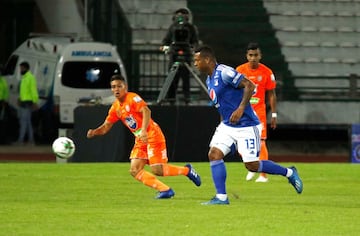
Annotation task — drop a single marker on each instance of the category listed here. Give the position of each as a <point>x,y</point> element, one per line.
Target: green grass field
<point>103,199</point>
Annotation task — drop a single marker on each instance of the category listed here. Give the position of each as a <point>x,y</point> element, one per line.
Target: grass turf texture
<point>103,199</point>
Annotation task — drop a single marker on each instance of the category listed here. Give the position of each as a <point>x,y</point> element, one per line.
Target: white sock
<point>222,197</point>
<point>289,172</point>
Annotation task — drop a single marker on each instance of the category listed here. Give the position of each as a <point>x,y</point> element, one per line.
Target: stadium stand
<point>299,38</point>
<point>229,26</point>
<point>318,38</point>
<point>149,20</point>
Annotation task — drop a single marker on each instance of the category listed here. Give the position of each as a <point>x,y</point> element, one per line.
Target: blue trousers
<point>24,114</point>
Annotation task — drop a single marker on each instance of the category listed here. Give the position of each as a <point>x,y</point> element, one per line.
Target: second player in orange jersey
<point>264,79</point>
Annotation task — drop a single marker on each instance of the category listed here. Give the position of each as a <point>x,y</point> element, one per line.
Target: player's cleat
<point>193,176</point>
<point>216,201</point>
<point>295,180</point>
<point>166,194</point>
<point>261,179</point>
<point>250,175</point>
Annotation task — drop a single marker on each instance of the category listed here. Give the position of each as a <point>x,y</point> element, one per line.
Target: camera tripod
<point>170,78</point>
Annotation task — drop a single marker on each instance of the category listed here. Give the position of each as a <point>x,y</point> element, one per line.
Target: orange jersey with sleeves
<point>129,114</point>
<point>264,79</point>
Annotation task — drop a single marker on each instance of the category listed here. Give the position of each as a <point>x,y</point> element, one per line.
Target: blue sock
<point>218,171</point>
<point>272,168</point>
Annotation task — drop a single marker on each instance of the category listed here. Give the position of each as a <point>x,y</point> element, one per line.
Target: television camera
<point>181,54</point>
<point>180,48</point>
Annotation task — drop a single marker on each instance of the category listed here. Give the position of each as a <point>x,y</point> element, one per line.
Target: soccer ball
<point>63,147</point>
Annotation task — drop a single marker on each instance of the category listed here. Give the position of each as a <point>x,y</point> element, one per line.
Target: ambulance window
<point>11,65</point>
<point>89,75</point>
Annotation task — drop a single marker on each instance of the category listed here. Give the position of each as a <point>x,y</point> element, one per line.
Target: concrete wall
<point>63,16</point>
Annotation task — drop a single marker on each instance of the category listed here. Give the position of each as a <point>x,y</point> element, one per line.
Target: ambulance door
<point>44,76</point>
<point>12,76</point>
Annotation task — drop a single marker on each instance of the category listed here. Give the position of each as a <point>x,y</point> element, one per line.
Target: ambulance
<point>69,73</point>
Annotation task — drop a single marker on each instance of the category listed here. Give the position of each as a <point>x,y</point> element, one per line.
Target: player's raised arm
<point>101,130</point>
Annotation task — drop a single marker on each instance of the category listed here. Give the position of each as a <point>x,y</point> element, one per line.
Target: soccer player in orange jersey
<point>264,79</point>
<point>150,145</point>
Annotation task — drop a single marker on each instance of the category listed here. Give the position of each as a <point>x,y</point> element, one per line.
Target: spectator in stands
<point>150,144</point>
<point>264,79</point>
<point>179,41</point>
<point>230,92</point>
<point>28,99</point>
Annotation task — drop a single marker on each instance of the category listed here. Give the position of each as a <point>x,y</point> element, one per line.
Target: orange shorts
<point>154,153</point>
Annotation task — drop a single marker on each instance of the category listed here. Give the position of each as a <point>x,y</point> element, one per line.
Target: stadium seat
<point>150,20</point>
<point>318,37</point>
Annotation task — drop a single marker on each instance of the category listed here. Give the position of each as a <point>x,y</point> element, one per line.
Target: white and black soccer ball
<point>63,147</point>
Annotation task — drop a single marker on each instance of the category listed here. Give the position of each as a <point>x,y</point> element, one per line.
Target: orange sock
<point>264,155</point>
<point>150,180</point>
<point>171,170</point>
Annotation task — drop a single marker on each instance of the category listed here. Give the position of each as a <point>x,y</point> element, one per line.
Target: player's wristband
<point>274,115</point>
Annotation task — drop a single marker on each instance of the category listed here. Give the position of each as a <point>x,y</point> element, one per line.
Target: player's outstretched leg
<point>216,201</point>
<point>218,171</point>
<point>291,173</point>
<point>193,175</point>
<point>250,175</point>
<point>187,170</point>
<point>264,155</point>
<point>295,180</point>
<point>151,181</point>
<point>166,194</point>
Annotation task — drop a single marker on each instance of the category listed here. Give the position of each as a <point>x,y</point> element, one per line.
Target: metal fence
<point>150,69</point>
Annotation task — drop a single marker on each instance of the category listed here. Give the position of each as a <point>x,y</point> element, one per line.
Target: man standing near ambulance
<point>28,100</point>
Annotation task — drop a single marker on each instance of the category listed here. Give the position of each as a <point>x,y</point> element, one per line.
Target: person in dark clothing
<point>28,102</point>
<point>179,41</point>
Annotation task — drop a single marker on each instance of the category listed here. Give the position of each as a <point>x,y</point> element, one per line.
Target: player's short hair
<point>205,51</point>
<point>117,77</point>
<point>252,46</point>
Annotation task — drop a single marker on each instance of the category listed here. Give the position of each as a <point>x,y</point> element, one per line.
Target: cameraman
<point>180,39</point>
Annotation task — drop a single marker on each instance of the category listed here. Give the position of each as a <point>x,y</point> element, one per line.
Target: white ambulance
<point>69,73</point>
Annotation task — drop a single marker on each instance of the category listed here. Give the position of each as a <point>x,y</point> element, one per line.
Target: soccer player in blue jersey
<point>230,92</point>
